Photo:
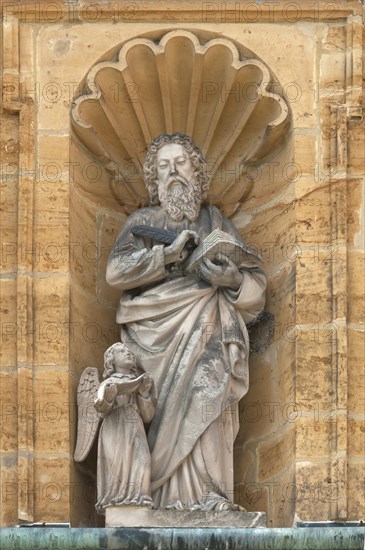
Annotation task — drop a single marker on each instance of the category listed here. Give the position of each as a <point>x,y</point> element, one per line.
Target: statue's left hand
<point>225,274</point>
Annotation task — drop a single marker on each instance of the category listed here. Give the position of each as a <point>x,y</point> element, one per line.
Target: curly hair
<point>194,154</point>
<point>109,366</point>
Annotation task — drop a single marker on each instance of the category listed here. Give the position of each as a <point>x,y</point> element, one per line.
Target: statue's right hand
<point>105,397</point>
<point>175,253</point>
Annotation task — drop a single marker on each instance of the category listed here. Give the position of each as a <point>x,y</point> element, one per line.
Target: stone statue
<point>124,401</point>
<point>187,329</point>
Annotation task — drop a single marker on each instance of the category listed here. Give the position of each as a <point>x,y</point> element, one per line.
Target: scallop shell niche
<point>209,89</point>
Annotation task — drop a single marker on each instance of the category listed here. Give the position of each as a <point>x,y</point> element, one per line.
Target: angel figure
<point>122,402</point>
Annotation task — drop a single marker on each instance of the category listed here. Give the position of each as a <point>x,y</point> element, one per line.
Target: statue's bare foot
<point>220,503</point>
<point>228,505</point>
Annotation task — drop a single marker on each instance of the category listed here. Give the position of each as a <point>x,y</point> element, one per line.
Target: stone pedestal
<point>138,516</point>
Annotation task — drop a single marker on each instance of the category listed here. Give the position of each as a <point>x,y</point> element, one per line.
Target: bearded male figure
<point>188,331</point>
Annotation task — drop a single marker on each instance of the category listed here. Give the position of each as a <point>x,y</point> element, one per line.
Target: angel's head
<point>118,358</point>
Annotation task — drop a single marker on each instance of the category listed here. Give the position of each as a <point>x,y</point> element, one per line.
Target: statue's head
<point>176,175</point>
<point>118,358</point>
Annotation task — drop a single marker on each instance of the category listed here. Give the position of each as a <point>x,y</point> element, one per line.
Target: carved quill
<point>160,235</point>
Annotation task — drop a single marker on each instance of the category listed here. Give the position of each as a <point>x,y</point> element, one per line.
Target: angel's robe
<point>123,473</point>
<point>191,336</point>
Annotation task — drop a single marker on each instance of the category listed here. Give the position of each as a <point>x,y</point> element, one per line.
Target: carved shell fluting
<point>208,91</point>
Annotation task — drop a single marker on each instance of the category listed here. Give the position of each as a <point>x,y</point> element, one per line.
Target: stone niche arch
<point>229,101</point>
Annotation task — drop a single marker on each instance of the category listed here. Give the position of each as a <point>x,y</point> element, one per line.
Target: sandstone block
<point>332,70</point>
<point>52,411</point>
<point>305,148</point>
<point>356,278</point>
<point>51,231</point>
<point>356,491</point>
<point>315,383</point>
<point>334,37</point>
<point>52,489</point>
<point>93,330</point>
<point>51,320</point>
<point>9,411</point>
<point>315,490</point>
<point>108,232</point>
<point>276,454</point>
<point>9,489</point>
<point>318,434</point>
<point>356,437</point>
<point>356,371</point>
<point>10,330</point>
<point>84,253</point>
<point>9,229</point>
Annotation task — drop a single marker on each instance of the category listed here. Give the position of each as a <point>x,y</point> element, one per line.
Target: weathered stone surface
<point>9,229</point>
<point>315,382</point>
<point>313,219</point>
<point>9,489</point>
<point>133,516</point>
<point>281,499</point>
<point>356,490</point>
<point>269,179</point>
<point>280,296</point>
<point>10,329</point>
<point>256,408</point>
<point>272,231</point>
<point>314,486</point>
<point>314,300</point>
<point>355,227</point>
<point>93,331</point>
<point>51,320</point>
<point>9,411</point>
<point>51,226</point>
<point>109,229</point>
<point>318,430</point>
<point>52,488</point>
<point>276,454</point>
<point>52,411</point>
<point>356,437</point>
<point>332,70</point>
<point>356,380</point>
<point>84,254</point>
<point>334,37</point>
<point>9,144</point>
<point>52,58</point>
<point>305,148</point>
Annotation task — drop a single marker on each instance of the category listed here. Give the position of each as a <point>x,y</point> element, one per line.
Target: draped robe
<point>124,470</point>
<point>191,336</point>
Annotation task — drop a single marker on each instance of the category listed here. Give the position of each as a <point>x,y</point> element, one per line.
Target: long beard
<point>182,200</point>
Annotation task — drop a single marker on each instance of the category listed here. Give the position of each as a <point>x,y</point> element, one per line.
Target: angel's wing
<point>88,419</point>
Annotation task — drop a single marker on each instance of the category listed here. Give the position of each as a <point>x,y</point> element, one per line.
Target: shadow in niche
<point>242,136</point>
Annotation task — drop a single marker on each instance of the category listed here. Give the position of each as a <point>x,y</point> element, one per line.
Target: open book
<point>221,242</point>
